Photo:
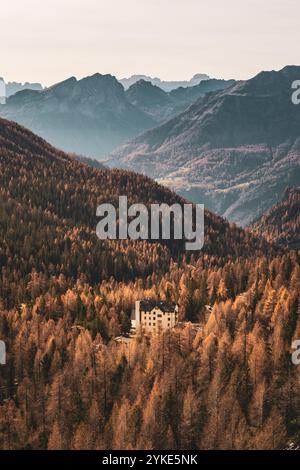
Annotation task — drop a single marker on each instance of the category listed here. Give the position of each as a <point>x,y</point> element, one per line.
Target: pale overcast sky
<point>50,40</point>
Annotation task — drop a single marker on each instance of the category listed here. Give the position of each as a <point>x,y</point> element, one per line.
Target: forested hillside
<point>65,296</point>
<point>281,224</point>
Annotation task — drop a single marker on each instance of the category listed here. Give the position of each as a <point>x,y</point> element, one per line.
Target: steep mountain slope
<point>161,105</point>
<point>89,116</point>
<point>48,204</point>
<point>235,150</point>
<point>188,95</point>
<point>281,224</point>
<point>151,99</point>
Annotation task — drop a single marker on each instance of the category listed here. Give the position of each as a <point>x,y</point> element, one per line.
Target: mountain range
<point>164,84</point>
<point>233,146</point>
<point>235,150</point>
<point>15,87</point>
<point>161,105</point>
<point>94,115</point>
<point>89,116</point>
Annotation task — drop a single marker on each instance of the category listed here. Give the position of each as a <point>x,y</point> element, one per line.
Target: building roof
<point>148,305</point>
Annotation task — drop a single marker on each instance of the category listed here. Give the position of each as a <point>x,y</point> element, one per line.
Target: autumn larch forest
<point>65,296</point>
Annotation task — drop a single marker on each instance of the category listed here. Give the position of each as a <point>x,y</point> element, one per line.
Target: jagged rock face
<point>235,150</point>
<point>164,84</point>
<point>15,87</point>
<point>94,115</point>
<point>144,94</point>
<point>161,105</point>
<point>152,100</point>
<point>90,116</point>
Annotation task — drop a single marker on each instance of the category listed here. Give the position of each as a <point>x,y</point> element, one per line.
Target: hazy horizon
<point>153,76</point>
<point>172,42</point>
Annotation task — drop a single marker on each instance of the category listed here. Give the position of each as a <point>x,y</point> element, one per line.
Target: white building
<point>154,316</point>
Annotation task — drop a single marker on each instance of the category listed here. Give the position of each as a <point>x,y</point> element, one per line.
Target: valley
<point>235,150</point>
<point>66,297</point>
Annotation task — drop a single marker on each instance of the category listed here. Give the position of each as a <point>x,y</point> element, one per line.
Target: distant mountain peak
<point>88,116</point>
<point>64,83</point>
<point>15,87</point>
<point>100,77</point>
<point>200,76</point>
<point>144,85</point>
<point>166,85</point>
<point>147,96</point>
